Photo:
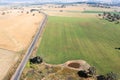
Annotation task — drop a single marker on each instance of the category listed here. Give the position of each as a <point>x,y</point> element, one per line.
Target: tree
<point>117,17</point>
<point>92,71</point>
<point>3,13</point>
<point>61,10</point>
<point>36,59</point>
<point>83,74</point>
<point>99,14</point>
<point>104,13</point>
<point>27,12</point>
<point>101,77</point>
<point>111,76</point>
<point>21,11</point>
<point>33,14</point>
<point>109,14</point>
<point>117,22</point>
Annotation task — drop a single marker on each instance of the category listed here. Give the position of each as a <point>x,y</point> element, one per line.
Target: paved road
<point>20,68</point>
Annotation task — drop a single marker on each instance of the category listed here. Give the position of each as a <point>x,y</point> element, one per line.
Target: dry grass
<point>7,59</point>
<point>50,72</point>
<point>16,32</point>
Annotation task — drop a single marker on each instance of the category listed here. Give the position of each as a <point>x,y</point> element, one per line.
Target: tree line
<point>91,72</point>
<point>111,17</point>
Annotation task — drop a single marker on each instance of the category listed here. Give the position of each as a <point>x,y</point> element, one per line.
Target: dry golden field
<point>16,32</point>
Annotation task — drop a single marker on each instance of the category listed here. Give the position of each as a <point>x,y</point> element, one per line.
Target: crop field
<point>99,12</point>
<point>92,12</point>
<point>89,39</point>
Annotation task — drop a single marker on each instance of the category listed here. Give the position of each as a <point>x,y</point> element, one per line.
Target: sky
<point>30,1</point>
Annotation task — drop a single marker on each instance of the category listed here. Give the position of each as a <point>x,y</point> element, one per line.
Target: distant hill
<point>106,2</point>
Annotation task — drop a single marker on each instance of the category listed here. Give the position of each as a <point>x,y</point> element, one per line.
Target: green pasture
<point>89,39</point>
<point>92,11</point>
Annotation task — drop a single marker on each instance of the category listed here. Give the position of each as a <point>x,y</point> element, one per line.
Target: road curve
<point>19,70</point>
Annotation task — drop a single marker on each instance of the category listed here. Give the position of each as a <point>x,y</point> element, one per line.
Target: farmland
<point>13,36</point>
<point>17,29</point>
<point>89,39</point>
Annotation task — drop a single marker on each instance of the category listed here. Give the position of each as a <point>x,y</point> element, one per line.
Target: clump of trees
<point>36,60</point>
<point>61,6</point>
<point>27,12</point>
<point>61,10</point>
<point>33,14</point>
<point>100,5</point>
<point>108,76</point>
<point>118,48</point>
<point>91,72</point>
<point>3,13</point>
<point>21,11</point>
<point>111,17</point>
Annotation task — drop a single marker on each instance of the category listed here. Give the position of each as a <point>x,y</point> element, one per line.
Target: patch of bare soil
<point>77,65</point>
<point>74,65</point>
